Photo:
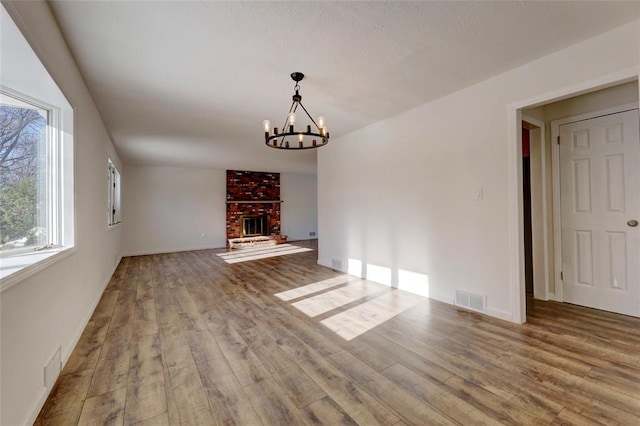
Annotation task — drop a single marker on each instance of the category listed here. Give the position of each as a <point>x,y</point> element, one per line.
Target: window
<point>25,181</point>
<point>36,162</point>
<point>113,190</point>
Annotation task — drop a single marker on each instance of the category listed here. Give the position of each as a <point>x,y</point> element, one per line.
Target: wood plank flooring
<point>188,339</point>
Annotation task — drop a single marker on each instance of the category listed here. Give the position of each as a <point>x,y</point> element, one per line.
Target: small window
<point>113,191</point>
<point>27,176</point>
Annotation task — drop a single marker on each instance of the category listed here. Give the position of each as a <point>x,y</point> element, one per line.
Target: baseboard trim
<point>67,354</point>
<point>36,407</point>
<point>31,418</point>
<point>178,250</point>
<point>492,312</point>
<point>500,314</point>
<point>441,298</point>
<point>164,251</point>
<point>325,264</point>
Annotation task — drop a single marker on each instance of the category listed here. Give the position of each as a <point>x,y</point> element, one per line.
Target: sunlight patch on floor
<point>378,292</point>
<point>244,255</point>
<point>325,302</point>
<point>362,318</point>
<point>359,319</point>
<point>315,287</point>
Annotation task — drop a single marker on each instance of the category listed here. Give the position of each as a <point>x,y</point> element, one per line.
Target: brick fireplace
<point>252,197</point>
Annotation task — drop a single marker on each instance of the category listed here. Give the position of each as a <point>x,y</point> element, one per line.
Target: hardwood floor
<point>188,339</point>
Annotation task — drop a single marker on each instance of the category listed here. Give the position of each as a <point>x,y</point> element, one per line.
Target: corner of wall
<point>500,314</point>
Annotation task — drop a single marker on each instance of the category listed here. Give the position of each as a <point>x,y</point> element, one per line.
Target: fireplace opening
<point>254,225</point>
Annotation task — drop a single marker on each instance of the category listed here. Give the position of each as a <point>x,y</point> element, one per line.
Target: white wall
<point>299,214</point>
<point>166,209</point>
<point>50,308</point>
<point>400,194</point>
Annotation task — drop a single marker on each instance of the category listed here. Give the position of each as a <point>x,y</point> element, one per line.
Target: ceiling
<point>189,83</point>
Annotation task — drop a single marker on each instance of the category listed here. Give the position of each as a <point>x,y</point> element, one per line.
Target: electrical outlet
<point>312,234</point>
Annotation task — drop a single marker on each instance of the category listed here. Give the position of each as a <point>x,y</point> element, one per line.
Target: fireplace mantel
<point>254,202</point>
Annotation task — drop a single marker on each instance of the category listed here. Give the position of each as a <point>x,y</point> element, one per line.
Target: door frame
<point>555,164</point>
<point>540,291</point>
<point>518,298</point>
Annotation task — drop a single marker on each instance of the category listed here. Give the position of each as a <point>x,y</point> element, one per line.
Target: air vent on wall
<point>474,302</point>
<point>462,298</point>
<point>336,264</point>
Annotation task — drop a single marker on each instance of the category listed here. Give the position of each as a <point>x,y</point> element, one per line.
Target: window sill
<point>14,269</point>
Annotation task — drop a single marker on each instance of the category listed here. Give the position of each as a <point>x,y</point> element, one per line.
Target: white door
<point>600,200</point>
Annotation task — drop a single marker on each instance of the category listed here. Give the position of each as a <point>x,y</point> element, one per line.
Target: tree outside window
<point>23,177</point>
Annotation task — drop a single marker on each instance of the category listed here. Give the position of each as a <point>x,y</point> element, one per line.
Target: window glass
<point>113,191</point>
<point>23,175</point>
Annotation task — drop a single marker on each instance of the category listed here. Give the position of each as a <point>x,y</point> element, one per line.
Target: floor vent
<point>464,299</point>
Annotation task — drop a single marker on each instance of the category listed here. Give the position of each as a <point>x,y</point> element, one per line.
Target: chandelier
<point>289,137</point>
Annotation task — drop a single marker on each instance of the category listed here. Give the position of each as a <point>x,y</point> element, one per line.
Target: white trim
<point>543,182</point>
<point>555,158</point>
<point>67,354</point>
<point>39,261</point>
<point>442,298</point>
<point>499,313</point>
<point>52,167</point>
<point>589,115</point>
<point>34,410</point>
<point>625,76</point>
<point>327,265</point>
<point>557,252</point>
<point>516,215</point>
<point>114,209</point>
<point>514,174</point>
<point>176,250</point>
<point>114,226</point>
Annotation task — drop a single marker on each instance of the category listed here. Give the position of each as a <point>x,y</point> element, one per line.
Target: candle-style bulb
<point>321,122</point>
<point>300,137</point>
<point>267,125</point>
<point>291,118</point>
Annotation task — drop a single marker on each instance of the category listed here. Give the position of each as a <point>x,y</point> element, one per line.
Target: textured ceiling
<point>189,83</point>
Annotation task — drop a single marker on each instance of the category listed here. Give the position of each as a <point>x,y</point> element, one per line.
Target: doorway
<point>547,283</point>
